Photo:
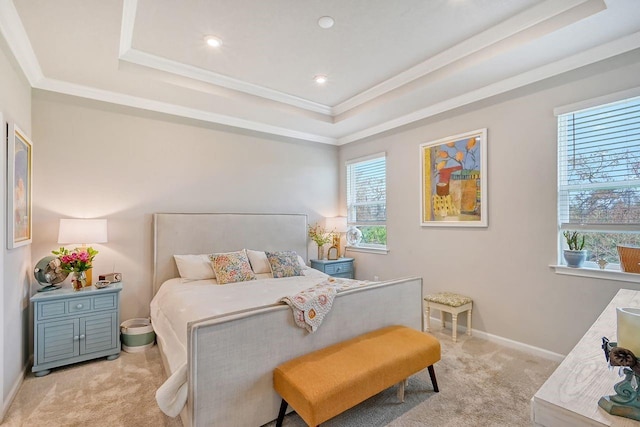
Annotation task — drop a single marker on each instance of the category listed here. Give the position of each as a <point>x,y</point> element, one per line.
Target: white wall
<point>505,267</point>
<point>97,160</point>
<point>15,264</point>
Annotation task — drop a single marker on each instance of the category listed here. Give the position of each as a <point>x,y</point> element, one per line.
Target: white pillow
<point>194,267</point>
<point>259,262</point>
<point>301,261</point>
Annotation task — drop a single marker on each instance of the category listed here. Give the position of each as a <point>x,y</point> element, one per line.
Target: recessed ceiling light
<point>320,79</point>
<point>326,22</point>
<point>213,41</point>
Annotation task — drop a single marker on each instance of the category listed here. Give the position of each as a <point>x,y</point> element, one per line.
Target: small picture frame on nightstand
<point>332,254</point>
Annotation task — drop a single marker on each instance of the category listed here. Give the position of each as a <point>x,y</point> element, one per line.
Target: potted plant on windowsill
<point>575,255</point>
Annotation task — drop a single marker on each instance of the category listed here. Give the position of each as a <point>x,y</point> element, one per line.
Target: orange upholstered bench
<point>327,382</point>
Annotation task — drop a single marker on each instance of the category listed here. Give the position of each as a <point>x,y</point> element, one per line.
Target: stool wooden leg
<point>454,326</point>
<point>469,322</point>
<point>442,319</point>
<point>427,312</point>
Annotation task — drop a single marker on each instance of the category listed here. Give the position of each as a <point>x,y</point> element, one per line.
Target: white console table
<point>570,396</point>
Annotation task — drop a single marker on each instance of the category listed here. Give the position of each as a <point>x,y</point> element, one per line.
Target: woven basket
<point>629,259</point>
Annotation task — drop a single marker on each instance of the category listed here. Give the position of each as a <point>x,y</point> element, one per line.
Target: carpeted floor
<point>480,383</point>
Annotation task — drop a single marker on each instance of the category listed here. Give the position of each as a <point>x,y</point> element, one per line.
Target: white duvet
<point>177,303</point>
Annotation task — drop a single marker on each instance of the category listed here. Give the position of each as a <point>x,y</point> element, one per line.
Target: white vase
<point>629,329</point>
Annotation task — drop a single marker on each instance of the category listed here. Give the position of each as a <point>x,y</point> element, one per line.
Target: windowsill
<point>379,251</point>
<point>596,273</point>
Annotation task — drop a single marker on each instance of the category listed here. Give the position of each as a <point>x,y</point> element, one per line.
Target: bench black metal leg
<point>283,409</point>
<point>432,374</point>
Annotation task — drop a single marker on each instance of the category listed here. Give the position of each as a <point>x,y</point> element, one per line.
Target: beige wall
<point>15,264</point>
<point>505,267</point>
<point>96,160</point>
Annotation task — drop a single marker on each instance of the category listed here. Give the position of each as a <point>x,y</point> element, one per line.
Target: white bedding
<point>177,303</point>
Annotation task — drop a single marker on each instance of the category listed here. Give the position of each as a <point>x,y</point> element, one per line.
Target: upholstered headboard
<point>205,233</point>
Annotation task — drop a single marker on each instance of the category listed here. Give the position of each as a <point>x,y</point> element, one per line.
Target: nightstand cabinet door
<point>98,333</point>
<point>58,340</point>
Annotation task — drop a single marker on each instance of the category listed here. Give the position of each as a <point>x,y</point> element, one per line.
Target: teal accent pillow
<point>284,264</point>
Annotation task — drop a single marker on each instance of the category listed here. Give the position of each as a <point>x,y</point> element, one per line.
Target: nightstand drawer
<point>51,309</point>
<point>105,302</point>
<point>79,305</point>
<point>339,268</point>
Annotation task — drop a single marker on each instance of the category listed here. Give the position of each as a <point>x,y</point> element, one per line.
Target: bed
<point>229,356</point>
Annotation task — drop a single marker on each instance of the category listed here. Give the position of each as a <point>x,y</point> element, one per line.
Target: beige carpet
<point>480,384</point>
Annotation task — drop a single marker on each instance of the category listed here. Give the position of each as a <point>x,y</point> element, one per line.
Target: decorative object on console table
<point>342,267</point>
<point>320,236</point>
<point>337,226</point>
<point>628,328</point>
<point>626,401</point>
<point>83,231</point>
<point>71,327</point>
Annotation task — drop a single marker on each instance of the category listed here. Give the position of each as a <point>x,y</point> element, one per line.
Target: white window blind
<point>367,191</point>
<point>367,197</point>
<point>599,175</point>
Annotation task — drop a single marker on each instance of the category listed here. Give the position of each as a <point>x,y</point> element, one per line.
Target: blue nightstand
<point>73,326</point>
<point>341,267</point>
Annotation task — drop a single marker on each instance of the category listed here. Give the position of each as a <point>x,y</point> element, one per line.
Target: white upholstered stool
<point>450,303</point>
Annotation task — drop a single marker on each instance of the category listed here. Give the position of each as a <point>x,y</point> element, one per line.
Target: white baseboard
<point>14,391</point>
<point>516,345</point>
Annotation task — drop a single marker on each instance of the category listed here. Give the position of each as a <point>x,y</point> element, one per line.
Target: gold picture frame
<point>19,191</point>
<point>333,253</point>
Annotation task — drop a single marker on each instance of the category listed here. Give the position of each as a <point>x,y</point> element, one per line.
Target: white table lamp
<point>336,226</point>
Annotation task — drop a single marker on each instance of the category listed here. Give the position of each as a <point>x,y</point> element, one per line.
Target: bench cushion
<point>327,382</point>
<point>448,298</point>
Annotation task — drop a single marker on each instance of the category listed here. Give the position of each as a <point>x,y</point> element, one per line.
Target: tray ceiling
<point>387,63</point>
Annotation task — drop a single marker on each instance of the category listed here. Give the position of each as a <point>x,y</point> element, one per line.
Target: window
<point>599,177</point>
<point>367,199</point>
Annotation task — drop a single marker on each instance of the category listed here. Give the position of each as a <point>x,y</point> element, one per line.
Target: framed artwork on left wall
<point>19,183</point>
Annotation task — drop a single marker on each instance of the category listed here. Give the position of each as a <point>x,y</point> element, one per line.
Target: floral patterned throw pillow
<point>284,264</point>
<point>232,267</point>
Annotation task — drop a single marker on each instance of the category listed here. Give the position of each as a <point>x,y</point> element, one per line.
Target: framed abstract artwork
<point>453,173</point>
<point>19,183</point>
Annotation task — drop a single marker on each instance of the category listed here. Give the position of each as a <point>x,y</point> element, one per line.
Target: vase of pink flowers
<point>76,262</point>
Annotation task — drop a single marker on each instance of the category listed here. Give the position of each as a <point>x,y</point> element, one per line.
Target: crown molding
<point>598,53</point>
<point>539,17</point>
<point>81,91</point>
<point>14,33</point>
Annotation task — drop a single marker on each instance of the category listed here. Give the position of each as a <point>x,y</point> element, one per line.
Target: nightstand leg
<point>113,356</point>
<point>42,373</point>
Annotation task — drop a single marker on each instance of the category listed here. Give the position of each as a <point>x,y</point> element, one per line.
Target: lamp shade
<point>336,224</point>
<point>82,231</point>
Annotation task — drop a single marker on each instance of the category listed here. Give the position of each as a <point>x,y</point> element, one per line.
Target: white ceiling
<point>389,63</point>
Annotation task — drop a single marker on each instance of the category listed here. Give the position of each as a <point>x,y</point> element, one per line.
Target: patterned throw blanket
<point>311,305</point>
